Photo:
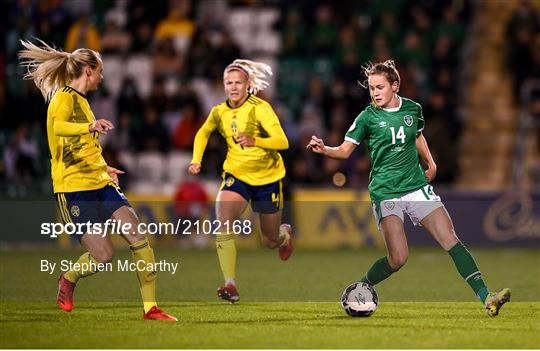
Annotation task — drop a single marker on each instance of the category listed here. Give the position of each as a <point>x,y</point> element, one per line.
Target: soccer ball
<point>359,300</point>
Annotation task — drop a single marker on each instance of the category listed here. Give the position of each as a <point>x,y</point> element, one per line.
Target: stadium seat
<point>150,166</point>
<point>139,68</point>
<point>144,188</point>
<point>127,160</point>
<point>177,165</point>
<point>113,69</point>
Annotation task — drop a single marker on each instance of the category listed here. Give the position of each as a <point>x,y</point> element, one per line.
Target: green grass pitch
<point>291,304</point>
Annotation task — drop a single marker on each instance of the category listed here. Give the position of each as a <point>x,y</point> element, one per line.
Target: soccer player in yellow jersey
<point>253,168</point>
<point>86,188</point>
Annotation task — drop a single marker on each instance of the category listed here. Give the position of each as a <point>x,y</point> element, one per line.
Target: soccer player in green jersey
<point>391,127</point>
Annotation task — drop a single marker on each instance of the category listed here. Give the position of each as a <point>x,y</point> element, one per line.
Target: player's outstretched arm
<point>341,152</point>
<point>63,128</point>
<point>199,144</point>
<point>194,168</point>
<point>101,126</point>
<point>425,155</point>
<point>113,173</point>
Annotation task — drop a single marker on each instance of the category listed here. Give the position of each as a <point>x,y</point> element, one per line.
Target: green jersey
<point>390,136</point>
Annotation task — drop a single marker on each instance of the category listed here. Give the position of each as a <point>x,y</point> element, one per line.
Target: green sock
<point>468,269</point>
<point>378,272</point>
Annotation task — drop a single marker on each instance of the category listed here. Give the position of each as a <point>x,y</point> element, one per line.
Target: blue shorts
<point>94,206</point>
<point>266,198</point>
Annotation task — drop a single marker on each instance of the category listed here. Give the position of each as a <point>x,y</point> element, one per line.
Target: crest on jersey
<point>389,205</point>
<point>75,211</point>
<point>229,181</point>
<point>408,120</point>
<point>234,126</point>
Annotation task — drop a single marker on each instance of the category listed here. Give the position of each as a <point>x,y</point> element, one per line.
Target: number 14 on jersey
<point>400,134</point>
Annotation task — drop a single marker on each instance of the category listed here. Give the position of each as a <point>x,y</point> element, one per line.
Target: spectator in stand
<point>521,31</point>
<point>22,28</point>
<point>103,104</point>
<point>21,156</point>
<point>227,50</point>
<point>115,40</point>
<point>324,35</point>
<point>201,54</point>
<point>177,26</point>
<point>52,18</point>
<point>83,34</point>
<point>126,133</point>
<point>167,62</point>
<point>129,100</point>
<point>414,51</point>
<point>444,53</point>
<point>389,29</point>
<point>317,97</point>
<point>152,136</point>
<point>422,25</point>
<point>158,98</point>
<point>450,27</point>
<point>381,51</point>
<point>143,39</point>
<point>294,33</point>
<point>440,134</point>
<point>185,131</point>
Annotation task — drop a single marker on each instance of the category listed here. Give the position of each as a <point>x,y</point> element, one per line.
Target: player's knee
<point>104,255</point>
<point>448,239</point>
<point>452,239</point>
<point>398,261</point>
<point>136,238</point>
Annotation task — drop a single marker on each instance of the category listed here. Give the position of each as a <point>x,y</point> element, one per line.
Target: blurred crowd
<point>163,69</point>
<point>523,32</point>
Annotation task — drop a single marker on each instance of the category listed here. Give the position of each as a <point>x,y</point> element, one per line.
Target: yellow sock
<point>226,249</point>
<point>147,279</point>
<point>86,264</point>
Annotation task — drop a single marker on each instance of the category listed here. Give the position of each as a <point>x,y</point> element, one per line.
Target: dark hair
<point>386,68</point>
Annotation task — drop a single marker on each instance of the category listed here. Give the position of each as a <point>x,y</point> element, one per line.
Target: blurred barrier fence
<point>322,219</point>
<point>330,219</point>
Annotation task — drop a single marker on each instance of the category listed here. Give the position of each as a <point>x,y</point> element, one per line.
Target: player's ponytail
<point>386,68</point>
<point>51,69</point>
<point>257,73</point>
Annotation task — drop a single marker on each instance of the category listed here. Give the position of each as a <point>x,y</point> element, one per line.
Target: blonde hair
<point>386,68</point>
<point>51,69</point>
<point>257,73</point>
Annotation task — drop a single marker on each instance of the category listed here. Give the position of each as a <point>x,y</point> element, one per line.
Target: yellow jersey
<point>257,165</point>
<point>76,160</point>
